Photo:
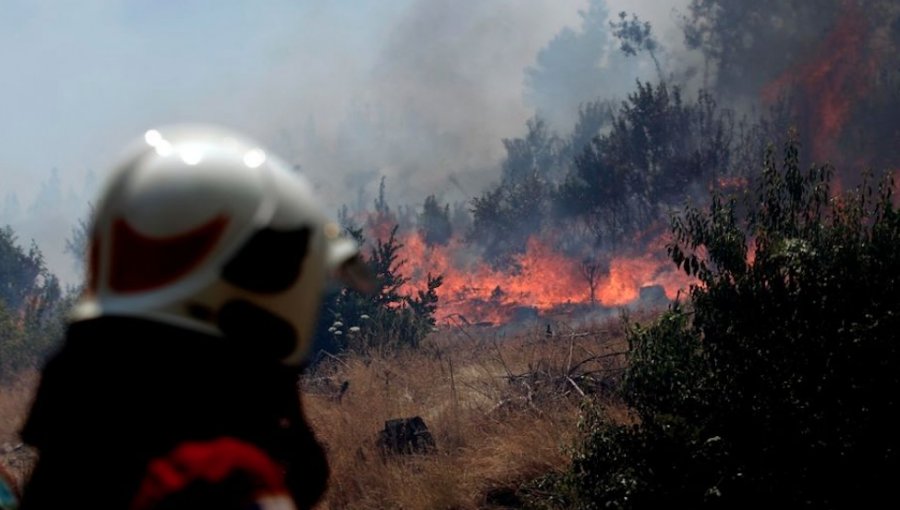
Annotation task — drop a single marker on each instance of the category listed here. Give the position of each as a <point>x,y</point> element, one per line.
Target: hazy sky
<point>82,78</point>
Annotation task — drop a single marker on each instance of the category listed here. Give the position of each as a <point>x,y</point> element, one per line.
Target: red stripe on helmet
<point>141,263</point>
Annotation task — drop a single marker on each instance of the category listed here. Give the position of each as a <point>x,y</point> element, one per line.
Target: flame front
<point>831,83</point>
<point>543,279</point>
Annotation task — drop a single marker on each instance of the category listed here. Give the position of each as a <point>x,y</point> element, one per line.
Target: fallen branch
<point>576,386</point>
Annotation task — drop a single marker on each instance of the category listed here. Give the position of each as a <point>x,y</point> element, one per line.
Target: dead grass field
<point>502,410</point>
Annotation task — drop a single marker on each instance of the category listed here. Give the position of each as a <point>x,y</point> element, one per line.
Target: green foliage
<point>31,306</point>
<point>387,318</point>
<point>665,359</point>
<point>538,153</point>
<point>504,218</point>
<point>21,272</point>
<point>620,171</point>
<point>778,385</point>
<point>620,466</point>
<point>579,64</point>
<point>659,149</point>
<point>381,205</point>
<point>434,222</point>
<point>745,42</point>
<point>635,36</point>
<point>593,118</point>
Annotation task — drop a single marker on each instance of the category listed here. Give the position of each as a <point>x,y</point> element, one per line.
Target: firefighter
<point>176,386</point>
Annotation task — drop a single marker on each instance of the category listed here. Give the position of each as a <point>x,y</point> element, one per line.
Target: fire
<point>838,74</point>
<point>543,279</point>
<point>732,182</point>
<point>627,275</point>
<point>379,225</point>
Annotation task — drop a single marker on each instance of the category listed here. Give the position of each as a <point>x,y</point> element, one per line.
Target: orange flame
<point>732,182</point>
<point>831,82</point>
<point>544,279</point>
<point>379,224</point>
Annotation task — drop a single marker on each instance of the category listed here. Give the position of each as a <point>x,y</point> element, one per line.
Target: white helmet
<point>201,228</point>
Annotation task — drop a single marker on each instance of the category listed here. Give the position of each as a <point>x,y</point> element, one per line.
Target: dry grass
<point>502,412</point>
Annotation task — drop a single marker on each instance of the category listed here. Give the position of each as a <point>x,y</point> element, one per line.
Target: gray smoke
<point>442,90</point>
<point>584,63</point>
<point>420,91</point>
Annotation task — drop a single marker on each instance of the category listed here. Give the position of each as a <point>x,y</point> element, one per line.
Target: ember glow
<point>543,280</point>
<point>735,182</point>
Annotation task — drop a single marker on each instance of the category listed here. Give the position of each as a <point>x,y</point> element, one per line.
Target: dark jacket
<point>122,392</point>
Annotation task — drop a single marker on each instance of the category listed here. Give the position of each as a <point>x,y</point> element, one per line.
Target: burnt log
<point>405,436</point>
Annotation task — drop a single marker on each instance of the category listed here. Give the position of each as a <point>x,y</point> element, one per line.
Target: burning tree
<point>607,188</point>
<point>776,384</point>
<point>386,318</point>
<point>747,44</point>
<point>592,269</point>
<point>434,222</point>
<point>507,216</point>
<point>833,62</point>
<point>659,151</point>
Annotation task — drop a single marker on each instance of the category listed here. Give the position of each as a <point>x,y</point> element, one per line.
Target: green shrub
<point>778,382</point>
<point>385,318</point>
<point>32,306</point>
